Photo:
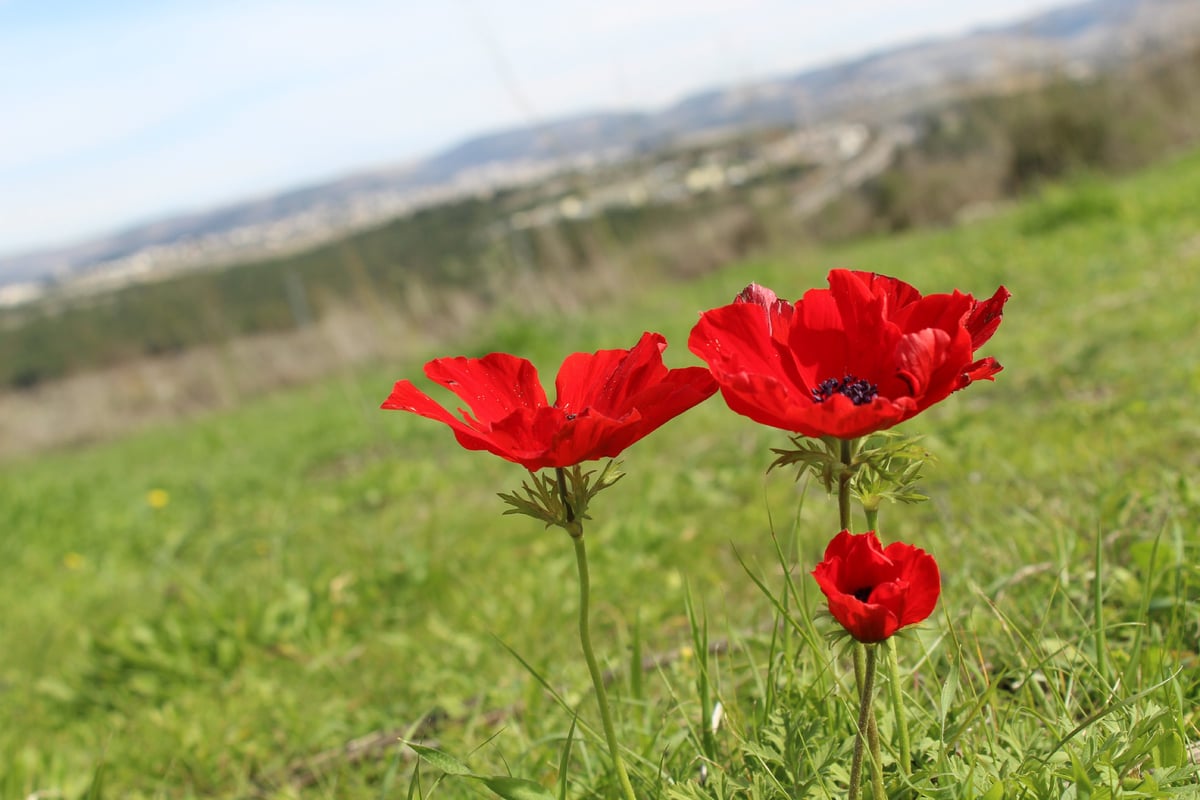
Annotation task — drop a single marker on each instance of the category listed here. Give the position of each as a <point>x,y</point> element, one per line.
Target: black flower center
<point>859,391</point>
<point>863,594</point>
<point>570,416</point>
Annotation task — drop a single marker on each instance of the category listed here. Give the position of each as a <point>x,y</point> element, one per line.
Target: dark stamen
<point>826,389</point>
<point>570,416</point>
<point>859,391</point>
<point>863,594</point>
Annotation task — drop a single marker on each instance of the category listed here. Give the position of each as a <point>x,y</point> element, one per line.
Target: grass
<point>311,572</point>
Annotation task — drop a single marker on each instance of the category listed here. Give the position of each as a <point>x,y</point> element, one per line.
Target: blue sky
<point>120,111</point>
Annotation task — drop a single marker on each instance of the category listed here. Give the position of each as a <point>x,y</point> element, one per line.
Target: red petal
<point>918,355</point>
<point>870,306</point>
<point>819,342</point>
<point>839,546</point>
<point>406,397</point>
<point>784,404</point>
<point>860,308</point>
<point>919,573</point>
<point>866,622</point>
<point>737,340</point>
<point>758,295</point>
<point>619,396</point>
<point>608,379</point>
<point>984,317</point>
<point>844,330</point>
<point>678,391</point>
<point>895,292</point>
<point>501,390</point>
<point>864,560</point>
<point>763,399</point>
<point>527,438</point>
<point>591,436</point>
<point>839,417</point>
<point>493,386</point>
<point>942,311</point>
<point>779,312</point>
<point>980,370</point>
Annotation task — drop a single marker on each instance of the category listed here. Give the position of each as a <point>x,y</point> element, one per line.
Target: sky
<point>117,112</point>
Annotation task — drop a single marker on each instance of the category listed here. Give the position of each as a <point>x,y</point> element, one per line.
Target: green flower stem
<point>864,658</point>
<point>866,730</point>
<point>585,640</point>
<point>861,652</point>
<point>897,698</point>
<point>844,483</point>
<point>894,693</point>
<point>876,755</point>
<point>571,524</point>
<point>860,663</point>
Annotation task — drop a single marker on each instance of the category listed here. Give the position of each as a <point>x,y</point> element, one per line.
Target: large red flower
<point>861,356</point>
<point>606,401</point>
<point>874,591</point>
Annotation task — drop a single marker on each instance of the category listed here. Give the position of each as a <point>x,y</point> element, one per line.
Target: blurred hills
<point>1078,41</point>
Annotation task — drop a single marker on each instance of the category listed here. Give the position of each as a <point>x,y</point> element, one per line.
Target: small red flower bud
<point>874,591</point>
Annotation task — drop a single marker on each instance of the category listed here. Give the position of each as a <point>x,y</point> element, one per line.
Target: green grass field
<point>218,607</point>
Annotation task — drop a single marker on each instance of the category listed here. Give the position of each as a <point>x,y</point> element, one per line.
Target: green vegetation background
<point>323,570</point>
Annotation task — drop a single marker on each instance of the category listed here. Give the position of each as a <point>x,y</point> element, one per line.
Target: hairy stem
<point>866,690</point>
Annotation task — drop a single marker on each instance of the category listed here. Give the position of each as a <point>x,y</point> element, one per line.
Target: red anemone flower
<point>874,591</point>
<point>861,356</point>
<point>606,401</point>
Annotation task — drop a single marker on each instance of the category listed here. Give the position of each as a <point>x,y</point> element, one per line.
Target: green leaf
<point>949,692</point>
<point>541,497</point>
<point>1171,751</point>
<point>994,793</point>
<point>517,788</point>
<point>443,761</point>
<point>414,785</point>
<point>565,762</point>
<point>95,790</point>
<point>820,458</point>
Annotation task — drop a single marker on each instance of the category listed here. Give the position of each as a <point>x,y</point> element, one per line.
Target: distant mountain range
<point>1079,39</point>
